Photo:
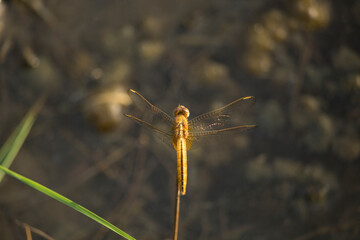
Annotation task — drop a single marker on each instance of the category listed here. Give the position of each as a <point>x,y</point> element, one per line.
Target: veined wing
<point>218,121</point>
<point>152,115</point>
<point>160,134</point>
<point>157,121</point>
<point>200,136</point>
<point>237,129</point>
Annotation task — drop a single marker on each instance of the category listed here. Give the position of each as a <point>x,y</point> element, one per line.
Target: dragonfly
<point>181,133</point>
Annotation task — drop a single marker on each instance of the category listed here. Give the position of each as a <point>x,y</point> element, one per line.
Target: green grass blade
<point>13,144</point>
<point>11,148</point>
<point>66,201</point>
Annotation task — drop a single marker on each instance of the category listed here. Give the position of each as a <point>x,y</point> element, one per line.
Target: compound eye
<point>182,110</point>
<point>186,112</point>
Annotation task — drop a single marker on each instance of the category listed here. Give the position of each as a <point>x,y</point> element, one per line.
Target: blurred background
<point>297,176</point>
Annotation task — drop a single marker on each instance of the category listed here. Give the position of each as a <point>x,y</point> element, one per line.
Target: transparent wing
<point>155,120</point>
<point>222,118</point>
<point>206,136</point>
<point>238,129</point>
<point>221,121</point>
<point>151,114</point>
<point>165,137</point>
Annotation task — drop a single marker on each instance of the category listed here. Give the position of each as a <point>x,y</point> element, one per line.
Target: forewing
<point>151,114</point>
<point>153,119</point>
<point>222,118</point>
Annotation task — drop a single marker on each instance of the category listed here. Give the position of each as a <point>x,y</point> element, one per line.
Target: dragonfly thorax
<point>181,110</point>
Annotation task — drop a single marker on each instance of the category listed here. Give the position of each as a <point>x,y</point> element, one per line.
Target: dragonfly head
<point>181,110</point>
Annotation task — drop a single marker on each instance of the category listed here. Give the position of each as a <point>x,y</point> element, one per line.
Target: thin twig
<point>28,232</point>
<point>177,210</point>
<point>33,229</point>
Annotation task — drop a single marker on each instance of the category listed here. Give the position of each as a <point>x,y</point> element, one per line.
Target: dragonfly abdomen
<point>182,165</point>
<point>180,137</point>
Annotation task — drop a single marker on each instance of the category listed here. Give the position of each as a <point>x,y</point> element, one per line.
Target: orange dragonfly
<point>182,133</point>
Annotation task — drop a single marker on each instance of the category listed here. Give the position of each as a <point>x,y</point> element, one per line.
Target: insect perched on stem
<point>182,133</point>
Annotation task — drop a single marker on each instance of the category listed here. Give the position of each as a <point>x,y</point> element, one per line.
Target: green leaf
<point>12,146</point>
<point>66,201</point>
